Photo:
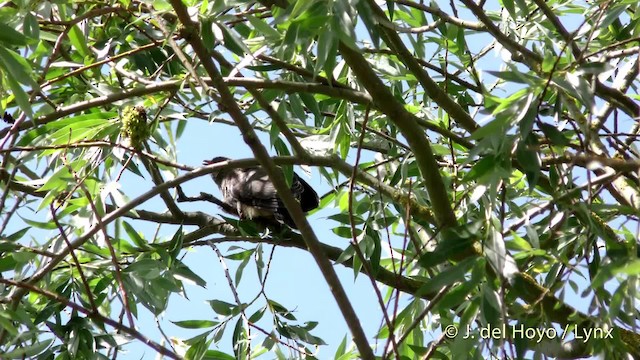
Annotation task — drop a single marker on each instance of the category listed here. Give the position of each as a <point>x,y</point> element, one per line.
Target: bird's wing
<point>304,193</point>
<point>255,189</point>
<point>297,188</point>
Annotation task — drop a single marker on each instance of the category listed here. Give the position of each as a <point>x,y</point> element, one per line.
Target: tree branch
<point>277,179</point>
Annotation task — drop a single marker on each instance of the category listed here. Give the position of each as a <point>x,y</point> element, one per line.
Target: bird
<point>251,193</point>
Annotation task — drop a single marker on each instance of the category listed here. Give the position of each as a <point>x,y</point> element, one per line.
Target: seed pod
<point>135,126</point>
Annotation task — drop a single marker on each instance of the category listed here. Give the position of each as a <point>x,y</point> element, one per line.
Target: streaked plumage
<point>252,194</point>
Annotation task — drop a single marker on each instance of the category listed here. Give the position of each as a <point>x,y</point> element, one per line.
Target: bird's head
<point>219,174</point>
<point>215,160</point>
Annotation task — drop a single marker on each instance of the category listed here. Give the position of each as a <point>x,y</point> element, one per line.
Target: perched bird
<point>252,194</point>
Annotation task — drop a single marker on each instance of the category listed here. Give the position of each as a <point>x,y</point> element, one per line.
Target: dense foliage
<point>481,160</point>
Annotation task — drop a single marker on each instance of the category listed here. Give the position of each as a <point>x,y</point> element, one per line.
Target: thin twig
<point>83,278</point>
<point>94,315</point>
<point>234,291</point>
<point>102,227</point>
<point>354,241</point>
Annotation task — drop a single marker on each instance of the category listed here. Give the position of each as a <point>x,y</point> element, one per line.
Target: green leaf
<point>346,254</point>
<point>327,48</point>
<point>195,324</point>
<point>135,237</point>
<point>28,351</point>
<point>222,307</point>
<point>453,241</point>
<point>618,299</point>
<point>486,165</point>
<point>182,272</point>
<point>20,95</point>
<point>217,355</point>
<point>6,322</point>
<point>632,268</point>
<point>255,317</point>
<point>262,28</point>
<point>274,132</point>
<point>370,22</point>
<point>311,103</point>
<point>343,25</point>
<point>31,27</point>
<point>460,292</point>
<point>7,263</point>
<point>554,135</point>
<point>146,268</point>
<point>287,171</point>
<point>300,7</point>
<point>518,243</point>
<point>495,251</point>
<point>491,305</point>
<point>233,42</point>
<point>345,231</point>
<point>242,255</point>
<point>508,4</point>
<point>62,177</point>
<point>594,68</point>
<point>296,107</point>
<point>239,338</point>
<point>577,87</point>
<point>342,348</point>
<point>17,235</point>
<point>530,162</point>
<point>197,350</point>
<point>612,14</point>
<point>515,76</point>
<point>448,276</point>
<point>280,310</point>
<point>162,5</point>
<point>40,225</point>
<point>493,128</point>
<point>74,123</point>
<point>176,243</point>
<point>345,218</point>
<point>11,37</point>
<point>78,41</point>
<point>302,333</point>
<point>240,270</point>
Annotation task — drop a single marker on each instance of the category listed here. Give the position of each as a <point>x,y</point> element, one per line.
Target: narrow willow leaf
<point>10,37</point>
